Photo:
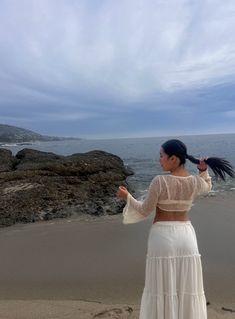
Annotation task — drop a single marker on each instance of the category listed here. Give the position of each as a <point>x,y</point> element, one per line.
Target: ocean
<point>142,154</point>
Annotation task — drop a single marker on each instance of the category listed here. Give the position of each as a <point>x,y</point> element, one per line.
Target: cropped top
<point>169,193</point>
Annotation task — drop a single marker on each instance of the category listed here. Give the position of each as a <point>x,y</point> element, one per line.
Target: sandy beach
<point>89,268</point>
<point>49,309</point>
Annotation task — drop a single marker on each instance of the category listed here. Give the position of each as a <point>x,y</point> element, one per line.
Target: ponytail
<point>219,166</point>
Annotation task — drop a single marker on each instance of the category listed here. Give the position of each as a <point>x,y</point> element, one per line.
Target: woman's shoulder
<point>168,178</point>
<point>157,178</point>
<point>171,176</point>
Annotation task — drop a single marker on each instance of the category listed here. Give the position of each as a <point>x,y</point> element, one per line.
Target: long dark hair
<point>219,166</point>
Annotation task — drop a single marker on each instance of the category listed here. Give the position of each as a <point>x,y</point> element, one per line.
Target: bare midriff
<point>162,215</point>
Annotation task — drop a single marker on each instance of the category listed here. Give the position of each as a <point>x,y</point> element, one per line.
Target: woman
<point>173,275</point>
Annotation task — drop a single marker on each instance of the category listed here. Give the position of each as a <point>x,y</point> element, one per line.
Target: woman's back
<point>169,193</point>
<point>176,193</point>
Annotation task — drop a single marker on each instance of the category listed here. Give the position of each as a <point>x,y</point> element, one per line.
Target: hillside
<point>13,134</point>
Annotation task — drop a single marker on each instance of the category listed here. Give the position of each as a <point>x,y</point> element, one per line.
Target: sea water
<point>142,154</point>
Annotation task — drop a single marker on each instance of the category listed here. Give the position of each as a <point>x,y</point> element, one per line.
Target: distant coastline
<point>20,136</point>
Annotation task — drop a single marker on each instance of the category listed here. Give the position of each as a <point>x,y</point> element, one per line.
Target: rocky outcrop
<point>7,160</point>
<point>38,185</point>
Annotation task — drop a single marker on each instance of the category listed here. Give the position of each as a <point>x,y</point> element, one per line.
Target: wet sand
<point>97,264</point>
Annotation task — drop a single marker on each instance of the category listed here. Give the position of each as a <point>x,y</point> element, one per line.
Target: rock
<point>7,160</point>
<point>29,159</point>
<point>37,185</point>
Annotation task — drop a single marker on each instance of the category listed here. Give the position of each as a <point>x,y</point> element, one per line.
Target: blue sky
<point>126,68</point>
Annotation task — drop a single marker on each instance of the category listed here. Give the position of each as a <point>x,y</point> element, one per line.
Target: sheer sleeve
<point>136,211</point>
<point>204,184</point>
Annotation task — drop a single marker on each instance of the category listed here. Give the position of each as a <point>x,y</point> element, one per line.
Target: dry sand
<point>68,309</point>
<point>85,268</point>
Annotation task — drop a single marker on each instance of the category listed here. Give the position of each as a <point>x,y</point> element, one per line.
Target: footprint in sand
<point>115,313</point>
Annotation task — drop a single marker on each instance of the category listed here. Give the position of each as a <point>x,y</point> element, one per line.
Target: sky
<point>110,69</point>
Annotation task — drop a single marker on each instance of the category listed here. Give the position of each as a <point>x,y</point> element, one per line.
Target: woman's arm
<point>204,184</point>
<point>135,210</point>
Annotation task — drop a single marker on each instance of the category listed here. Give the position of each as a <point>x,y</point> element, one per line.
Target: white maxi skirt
<point>173,274</point>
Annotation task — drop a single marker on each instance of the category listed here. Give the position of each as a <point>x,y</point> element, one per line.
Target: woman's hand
<point>202,166</point>
<point>122,192</point>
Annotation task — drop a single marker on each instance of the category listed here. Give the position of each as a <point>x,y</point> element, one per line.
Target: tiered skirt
<point>173,274</point>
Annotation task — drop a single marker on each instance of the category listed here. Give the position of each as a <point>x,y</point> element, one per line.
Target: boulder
<point>40,185</point>
<point>7,160</point>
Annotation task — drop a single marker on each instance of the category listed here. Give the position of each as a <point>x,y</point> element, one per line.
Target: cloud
<point>80,60</point>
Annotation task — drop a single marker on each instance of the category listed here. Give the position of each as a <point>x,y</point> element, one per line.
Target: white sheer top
<point>169,193</point>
